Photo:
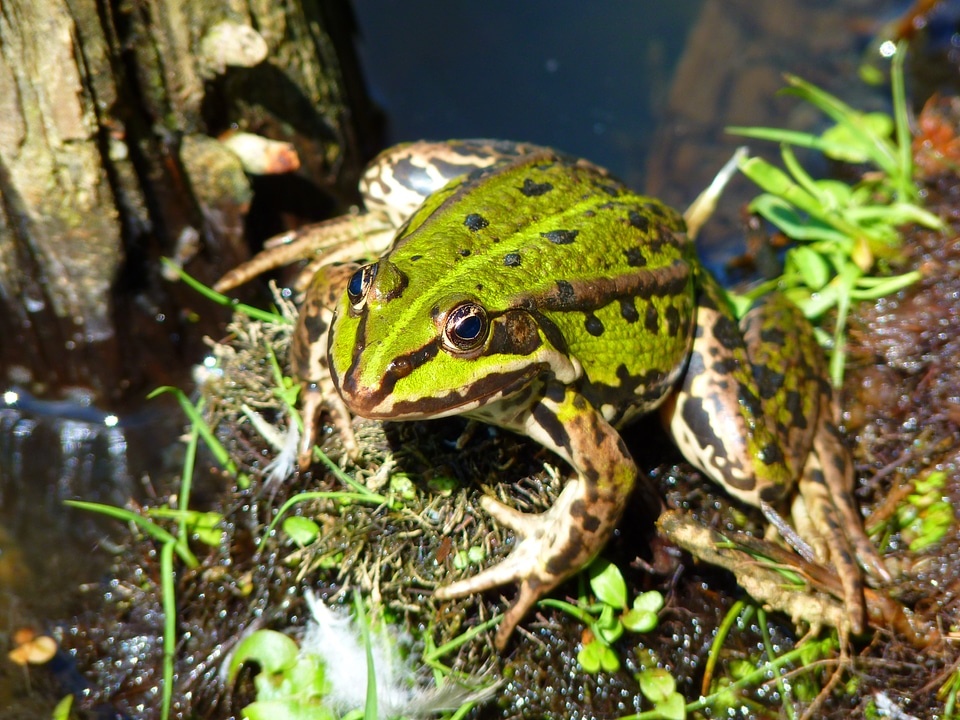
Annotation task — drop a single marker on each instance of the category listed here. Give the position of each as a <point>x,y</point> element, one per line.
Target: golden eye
<point>466,327</point>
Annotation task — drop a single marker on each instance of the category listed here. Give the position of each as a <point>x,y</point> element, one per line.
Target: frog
<point>519,286</point>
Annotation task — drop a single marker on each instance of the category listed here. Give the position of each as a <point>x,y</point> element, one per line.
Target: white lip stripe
<point>565,369</point>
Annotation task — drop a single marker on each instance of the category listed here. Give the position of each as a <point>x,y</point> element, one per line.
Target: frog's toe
<point>502,574</point>
<point>312,406</point>
<point>851,580</point>
<point>523,524</point>
<point>522,565</point>
<point>832,481</point>
<point>866,552</point>
<point>528,595</point>
<point>815,508</point>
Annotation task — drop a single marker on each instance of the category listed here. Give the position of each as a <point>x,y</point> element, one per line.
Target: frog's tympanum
<point>532,290</point>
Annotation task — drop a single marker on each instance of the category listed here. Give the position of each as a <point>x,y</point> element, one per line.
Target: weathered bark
<point>108,159</point>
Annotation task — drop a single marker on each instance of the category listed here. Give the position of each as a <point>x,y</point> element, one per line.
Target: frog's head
<point>401,351</point>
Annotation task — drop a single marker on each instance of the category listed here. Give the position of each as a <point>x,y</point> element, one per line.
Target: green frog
<point>532,290</point>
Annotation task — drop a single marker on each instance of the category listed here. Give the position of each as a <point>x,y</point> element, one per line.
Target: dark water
<point>643,88</point>
<point>590,78</point>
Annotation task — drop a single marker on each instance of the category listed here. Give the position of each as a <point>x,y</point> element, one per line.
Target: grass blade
<point>220,298</point>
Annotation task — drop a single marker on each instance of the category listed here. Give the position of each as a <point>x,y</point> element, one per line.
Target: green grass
<point>846,237</point>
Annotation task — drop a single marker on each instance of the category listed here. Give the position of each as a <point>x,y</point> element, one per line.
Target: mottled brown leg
<point>826,520</point>
<point>308,357</point>
<point>558,543</point>
<point>838,476</point>
<point>329,241</point>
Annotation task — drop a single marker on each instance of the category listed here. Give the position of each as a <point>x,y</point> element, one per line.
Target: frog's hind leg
<point>755,413</point>
<point>819,521</point>
<point>326,242</point>
<point>837,475</point>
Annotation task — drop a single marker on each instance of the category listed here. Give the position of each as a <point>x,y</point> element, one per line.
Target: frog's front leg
<point>556,544</point>
<point>311,367</point>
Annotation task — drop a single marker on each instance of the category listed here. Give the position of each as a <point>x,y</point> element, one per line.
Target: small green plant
<point>949,693</point>
<point>323,677</point>
<point>473,555</point>
<point>289,685</point>
<point>659,687</point>
<point>926,516</point>
<point>725,697</point>
<point>724,694</point>
<point>205,526</point>
<point>843,231</point>
<point>62,710</point>
<point>608,617</point>
<point>301,530</point>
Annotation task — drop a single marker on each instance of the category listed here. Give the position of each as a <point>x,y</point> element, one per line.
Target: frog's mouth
<point>383,402</point>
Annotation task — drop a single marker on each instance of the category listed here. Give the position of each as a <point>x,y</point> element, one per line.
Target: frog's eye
<point>359,283</point>
<point>466,327</point>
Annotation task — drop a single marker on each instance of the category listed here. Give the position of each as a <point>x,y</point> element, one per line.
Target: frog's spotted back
<point>600,269</point>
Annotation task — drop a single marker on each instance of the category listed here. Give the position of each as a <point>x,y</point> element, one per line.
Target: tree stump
<point>110,119</point>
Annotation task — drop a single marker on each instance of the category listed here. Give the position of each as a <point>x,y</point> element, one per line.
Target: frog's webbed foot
<point>552,547</point>
<point>825,515</point>
<point>837,476</point>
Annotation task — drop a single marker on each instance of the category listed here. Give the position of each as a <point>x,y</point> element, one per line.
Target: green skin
<point>535,292</point>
